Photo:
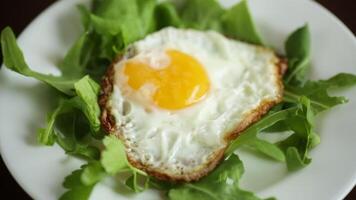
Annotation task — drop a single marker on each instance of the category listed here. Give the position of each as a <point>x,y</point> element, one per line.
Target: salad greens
<point>216,185</point>
<point>110,26</point>
<point>298,53</point>
<point>14,60</point>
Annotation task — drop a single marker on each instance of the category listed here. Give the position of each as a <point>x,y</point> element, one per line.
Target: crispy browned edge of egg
<point>109,124</point>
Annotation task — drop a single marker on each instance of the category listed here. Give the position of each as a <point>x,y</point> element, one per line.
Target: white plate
<point>40,170</point>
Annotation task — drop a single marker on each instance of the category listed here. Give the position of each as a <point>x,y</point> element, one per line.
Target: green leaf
<point>297,48</point>
<point>72,65</point>
<point>73,135</point>
<point>92,173</point>
<point>166,15</point>
<point>127,17</point>
<point>317,91</point>
<point>146,10</point>
<point>339,81</point>
<point>117,23</point>
<point>14,60</point>
<point>135,181</point>
<point>294,161</point>
<point>297,145</point>
<point>75,148</point>
<point>267,148</point>
<point>84,16</point>
<point>76,189</point>
<point>299,120</point>
<point>161,185</point>
<point>105,26</point>
<point>222,183</point>
<point>114,160</point>
<point>201,14</point>
<point>114,157</point>
<point>237,23</point>
<point>251,133</point>
<point>86,101</point>
<point>88,91</point>
<point>46,136</point>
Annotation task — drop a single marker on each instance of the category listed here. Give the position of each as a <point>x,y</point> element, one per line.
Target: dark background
<point>19,13</point>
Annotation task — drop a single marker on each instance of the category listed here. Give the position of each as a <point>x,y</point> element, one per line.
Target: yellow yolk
<point>180,84</point>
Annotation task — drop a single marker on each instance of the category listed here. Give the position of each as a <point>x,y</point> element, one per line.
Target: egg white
<point>241,75</point>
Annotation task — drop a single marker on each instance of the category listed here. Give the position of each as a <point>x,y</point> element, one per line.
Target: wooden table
<point>18,14</point>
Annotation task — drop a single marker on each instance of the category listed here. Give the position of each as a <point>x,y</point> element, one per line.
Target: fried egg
<point>177,97</point>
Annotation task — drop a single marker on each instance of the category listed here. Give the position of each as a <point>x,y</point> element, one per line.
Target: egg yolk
<point>180,84</point>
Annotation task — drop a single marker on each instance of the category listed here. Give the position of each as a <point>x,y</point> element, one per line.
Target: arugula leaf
<point>114,160</point>
<point>339,81</point>
<point>114,16</point>
<point>88,90</point>
<point>237,23</point>
<point>317,91</point>
<point>77,190</point>
<point>72,65</point>
<point>92,173</point>
<point>146,10</point>
<point>114,157</point>
<point>201,14</point>
<point>117,23</point>
<point>134,181</point>
<point>105,26</point>
<point>297,48</point>
<point>73,135</point>
<point>297,119</point>
<point>222,183</point>
<point>14,60</point>
<point>271,150</point>
<point>294,159</point>
<point>297,145</point>
<point>166,15</point>
<point>47,136</point>
<point>74,148</point>
<point>250,134</point>
<point>84,16</point>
